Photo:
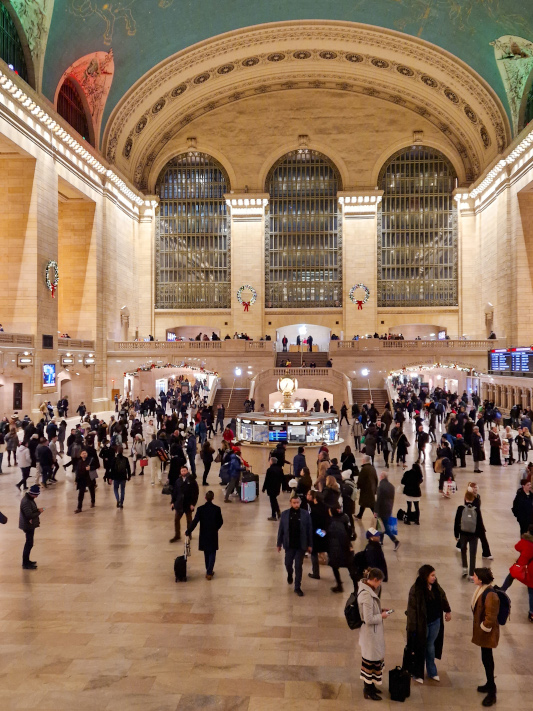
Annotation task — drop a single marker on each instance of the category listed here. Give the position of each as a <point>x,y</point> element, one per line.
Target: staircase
<point>319,358</point>
<point>379,396</point>
<point>236,406</point>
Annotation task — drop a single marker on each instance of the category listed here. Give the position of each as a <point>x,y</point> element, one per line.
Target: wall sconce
<point>24,360</point>
<point>88,361</point>
<point>66,360</point>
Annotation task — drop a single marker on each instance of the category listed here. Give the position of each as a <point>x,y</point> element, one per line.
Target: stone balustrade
<point>375,344</point>
<point>22,340</point>
<point>74,344</point>
<point>229,346</point>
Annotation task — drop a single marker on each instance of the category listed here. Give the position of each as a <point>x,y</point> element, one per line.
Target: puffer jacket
<point>525,548</point>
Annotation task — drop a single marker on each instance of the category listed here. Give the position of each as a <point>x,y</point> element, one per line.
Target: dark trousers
<point>25,471</point>
<point>357,442</point>
<point>485,548</point>
<point>344,417</point>
<point>207,468</point>
<point>27,547</point>
<point>362,510</point>
<point>210,557</point>
<point>488,662</point>
<point>221,423</point>
<point>122,486</point>
<point>416,504</point>
<point>315,567</point>
<point>274,505</point>
<point>469,541</point>
<point>92,490</point>
<point>177,519</point>
<point>295,556</point>
<point>46,473</point>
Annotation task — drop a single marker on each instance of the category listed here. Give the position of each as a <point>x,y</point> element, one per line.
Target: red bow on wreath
<point>53,291</point>
<point>246,305</point>
<point>360,305</point>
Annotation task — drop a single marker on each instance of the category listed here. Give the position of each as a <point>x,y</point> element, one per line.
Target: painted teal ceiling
<point>146,32</point>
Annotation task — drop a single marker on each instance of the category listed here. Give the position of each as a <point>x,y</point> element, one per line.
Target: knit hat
<point>371,533</point>
<point>346,474</point>
<point>35,490</point>
<point>459,436</point>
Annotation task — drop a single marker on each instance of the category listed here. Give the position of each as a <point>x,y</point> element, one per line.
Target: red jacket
<point>525,548</point>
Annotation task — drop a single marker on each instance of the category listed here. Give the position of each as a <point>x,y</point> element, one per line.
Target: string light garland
<point>52,285</point>
<point>436,366</point>
<point>359,302</point>
<point>253,298</point>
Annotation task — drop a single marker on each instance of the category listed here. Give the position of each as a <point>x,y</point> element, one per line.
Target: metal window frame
<point>194,277</point>
<point>417,258</point>
<point>70,107</point>
<point>11,49</point>
<point>304,268</point>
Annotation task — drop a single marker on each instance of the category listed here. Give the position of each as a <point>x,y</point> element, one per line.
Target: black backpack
<point>504,613</point>
<point>352,614</point>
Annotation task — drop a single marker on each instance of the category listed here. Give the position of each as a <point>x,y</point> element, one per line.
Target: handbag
<point>519,572</point>
<point>166,490</point>
<point>143,462</point>
<point>438,466</point>
<point>218,458</point>
<point>392,523</point>
<point>449,487</point>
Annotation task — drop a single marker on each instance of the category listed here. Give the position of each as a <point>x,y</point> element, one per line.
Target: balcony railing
<point>16,339</point>
<point>75,344</point>
<point>236,345</point>
<point>375,344</point>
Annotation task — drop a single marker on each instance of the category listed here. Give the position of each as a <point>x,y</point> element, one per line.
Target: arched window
<point>192,239</point>
<point>10,45</point>
<point>303,246</point>
<point>71,108</point>
<point>417,238</point>
<point>528,115</point>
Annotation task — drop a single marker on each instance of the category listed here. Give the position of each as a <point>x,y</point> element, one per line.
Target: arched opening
<point>298,338</point>
<point>303,251</point>
<point>192,235</point>
<point>71,106</point>
<point>11,47</point>
<point>417,237</point>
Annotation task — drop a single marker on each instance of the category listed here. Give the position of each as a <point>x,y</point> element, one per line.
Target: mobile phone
<point>389,612</point>
<point>320,532</point>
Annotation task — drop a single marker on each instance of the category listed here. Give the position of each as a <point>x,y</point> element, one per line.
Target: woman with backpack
<point>486,628</point>
<point>371,634</point>
<point>427,608</point>
<point>466,532</point>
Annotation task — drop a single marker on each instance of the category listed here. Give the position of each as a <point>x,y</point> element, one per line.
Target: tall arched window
<point>192,239</point>
<point>70,107</point>
<point>303,246</point>
<point>417,239</point>
<point>11,50</point>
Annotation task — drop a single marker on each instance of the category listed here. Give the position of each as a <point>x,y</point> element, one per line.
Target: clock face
<point>286,384</point>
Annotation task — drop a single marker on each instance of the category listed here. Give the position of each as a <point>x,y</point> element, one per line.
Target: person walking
<point>209,516</point>
<point>84,480</point>
<point>235,466</point>
<point>486,629</point>
<point>12,442</point>
<point>411,481</point>
<point>340,553</point>
<point>384,506</point>
<point>24,461</point>
<point>298,462</point>
<point>466,532</point>
<point>344,414</point>
<point>206,455</point>
<point>402,445</point>
<point>523,506</point>
<point>371,634</point>
<point>522,570</point>
<point>185,494</point>
<point>120,474</point>
<point>155,446</point>
<point>274,479</point>
<point>367,483</point>
<point>481,530</point>
<point>422,438</point>
<point>295,535</point>
<point>357,432</point>
<point>320,520</point>
<point>138,453</point>
<point>29,520</point>
<point>427,609</point>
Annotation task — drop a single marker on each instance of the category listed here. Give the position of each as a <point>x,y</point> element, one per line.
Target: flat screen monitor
<point>49,375</point>
<point>500,360</point>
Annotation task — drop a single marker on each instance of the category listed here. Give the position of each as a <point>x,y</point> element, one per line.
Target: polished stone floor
<point>102,625</point>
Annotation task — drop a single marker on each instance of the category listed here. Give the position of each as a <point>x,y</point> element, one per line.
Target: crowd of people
<point>328,500</point>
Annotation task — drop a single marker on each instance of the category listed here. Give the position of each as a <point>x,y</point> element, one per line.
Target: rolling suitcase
<point>180,564</point>
<point>399,684</point>
<point>248,491</point>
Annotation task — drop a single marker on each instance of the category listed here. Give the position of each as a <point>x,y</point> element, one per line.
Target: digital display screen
<point>277,434</point>
<point>442,335</point>
<point>511,360</point>
<point>49,375</point>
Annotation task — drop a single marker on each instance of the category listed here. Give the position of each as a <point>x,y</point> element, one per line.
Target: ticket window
<point>277,432</point>
<point>245,431</point>
<point>296,434</point>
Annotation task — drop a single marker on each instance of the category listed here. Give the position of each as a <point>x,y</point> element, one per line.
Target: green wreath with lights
<point>359,302</point>
<point>52,285</point>
<point>253,299</point>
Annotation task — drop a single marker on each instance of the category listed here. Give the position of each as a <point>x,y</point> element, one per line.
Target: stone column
<point>247,212</point>
<point>145,258</point>
<point>359,250</point>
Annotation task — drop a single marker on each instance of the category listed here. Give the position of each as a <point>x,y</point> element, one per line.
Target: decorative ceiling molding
<point>357,51</point>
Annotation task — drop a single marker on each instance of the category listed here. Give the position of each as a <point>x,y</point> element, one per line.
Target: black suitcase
<point>180,564</point>
<point>399,684</point>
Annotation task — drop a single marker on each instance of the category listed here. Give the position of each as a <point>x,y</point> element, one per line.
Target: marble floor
<point>102,625</point>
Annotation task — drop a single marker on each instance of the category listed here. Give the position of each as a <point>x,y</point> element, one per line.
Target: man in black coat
<point>209,516</point>
<point>274,480</point>
<point>184,498</point>
<point>523,506</point>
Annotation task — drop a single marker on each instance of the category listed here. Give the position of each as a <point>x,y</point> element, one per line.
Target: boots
<point>371,693</point>
<point>490,699</point>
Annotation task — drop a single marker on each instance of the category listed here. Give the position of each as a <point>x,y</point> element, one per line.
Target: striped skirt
<point>372,672</point>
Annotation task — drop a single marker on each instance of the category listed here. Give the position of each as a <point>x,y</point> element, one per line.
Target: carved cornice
<point>356,54</point>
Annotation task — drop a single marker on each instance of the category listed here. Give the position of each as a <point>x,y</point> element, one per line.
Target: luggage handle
<point>187,548</point>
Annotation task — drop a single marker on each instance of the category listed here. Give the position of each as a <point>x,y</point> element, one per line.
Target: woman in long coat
<point>371,635</point>
<point>486,629</point>
<point>495,446</point>
<point>367,483</point>
<point>427,608</point>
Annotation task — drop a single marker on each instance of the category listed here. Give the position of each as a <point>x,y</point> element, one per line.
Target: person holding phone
<point>29,520</point>
<point>371,634</point>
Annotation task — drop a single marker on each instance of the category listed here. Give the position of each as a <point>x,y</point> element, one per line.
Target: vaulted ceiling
<point>143,33</point>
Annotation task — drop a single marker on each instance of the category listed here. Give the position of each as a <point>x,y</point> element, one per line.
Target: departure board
<point>511,360</point>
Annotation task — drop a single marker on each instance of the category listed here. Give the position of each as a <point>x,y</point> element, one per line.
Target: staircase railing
<point>213,391</point>
<point>231,393</point>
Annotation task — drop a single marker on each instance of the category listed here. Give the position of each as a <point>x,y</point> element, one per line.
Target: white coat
<point>371,635</point>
